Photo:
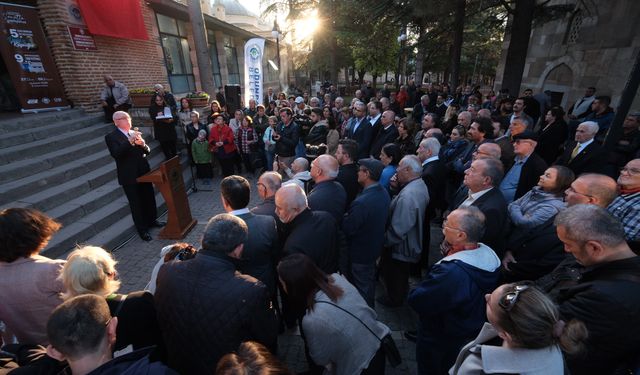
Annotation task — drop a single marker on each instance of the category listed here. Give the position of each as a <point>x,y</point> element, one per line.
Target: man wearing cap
<point>364,226</point>
<point>298,110</point>
<point>527,167</point>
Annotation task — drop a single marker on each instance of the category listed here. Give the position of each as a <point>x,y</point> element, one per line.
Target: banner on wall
<point>253,52</point>
<point>26,54</point>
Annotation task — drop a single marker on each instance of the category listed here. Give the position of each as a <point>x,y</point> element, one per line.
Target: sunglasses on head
<point>509,299</point>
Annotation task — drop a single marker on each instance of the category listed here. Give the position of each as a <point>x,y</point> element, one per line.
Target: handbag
<point>388,345</point>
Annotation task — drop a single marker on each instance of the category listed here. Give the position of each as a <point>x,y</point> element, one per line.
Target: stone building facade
<point>168,56</point>
<point>593,45</point>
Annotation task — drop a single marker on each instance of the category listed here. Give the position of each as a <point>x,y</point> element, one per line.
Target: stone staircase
<point>58,163</point>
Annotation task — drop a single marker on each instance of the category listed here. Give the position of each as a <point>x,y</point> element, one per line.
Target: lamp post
<point>276,34</point>
<point>401,40</point>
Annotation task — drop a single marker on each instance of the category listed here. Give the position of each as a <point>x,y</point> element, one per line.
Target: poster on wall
<point>253,52</point>
<point>26,54</point>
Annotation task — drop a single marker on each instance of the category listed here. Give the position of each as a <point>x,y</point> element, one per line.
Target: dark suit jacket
<point>364,224</point>
<point>550,141</point>
<point>315,234</point>
<point>531,171</point>
<point>362,136</point>
<point>348,178</point>
<point>590,160</point>
<point>130,160</point>
<point>377,126</point>
<point>494,208</point>
<point>384,136</point>
<point>435,175</point>
<point>329,196</point>
<point>261,250</point>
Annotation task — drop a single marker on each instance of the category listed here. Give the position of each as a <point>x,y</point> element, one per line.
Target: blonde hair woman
<point>92,270</point>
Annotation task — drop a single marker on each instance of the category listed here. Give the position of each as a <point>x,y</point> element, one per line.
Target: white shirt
<point>474,197</point>
<point>239,212</point>
<point>374,119</point>
<point>584,145</point>
<point>429,160</point>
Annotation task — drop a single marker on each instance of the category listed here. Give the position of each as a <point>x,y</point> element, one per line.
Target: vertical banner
<point>253,52</point>
<point>26,54</point>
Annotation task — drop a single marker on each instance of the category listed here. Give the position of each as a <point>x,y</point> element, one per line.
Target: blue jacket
<point>364,224</point>
<point>450,300</point>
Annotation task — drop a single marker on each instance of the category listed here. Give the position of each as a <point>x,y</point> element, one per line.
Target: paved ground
<point>136,259</point>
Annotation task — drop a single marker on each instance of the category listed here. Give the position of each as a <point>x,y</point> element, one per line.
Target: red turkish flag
<point>115,18</point>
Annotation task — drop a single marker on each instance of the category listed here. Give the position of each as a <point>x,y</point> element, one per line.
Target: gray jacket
<point>338,341</point>
<point>534,208</point>
<point>476,359</point>
<point>407,212</point>
<point>120,93</point>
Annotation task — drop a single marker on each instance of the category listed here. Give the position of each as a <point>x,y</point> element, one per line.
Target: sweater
<point>534,208</point>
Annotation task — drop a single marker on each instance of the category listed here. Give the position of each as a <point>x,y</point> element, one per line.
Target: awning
<point>115,18</point>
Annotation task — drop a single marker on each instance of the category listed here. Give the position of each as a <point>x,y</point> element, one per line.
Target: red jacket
<point>222,134</point>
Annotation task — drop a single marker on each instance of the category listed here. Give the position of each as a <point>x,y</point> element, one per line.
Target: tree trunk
<point>346,78</point>
<point>456,47</point>
<point>420,55</point>
<point>361,76</point>
<point>333,44</point>
<point>375,79</point>
<point>202,50</point>
<point>518,45</point>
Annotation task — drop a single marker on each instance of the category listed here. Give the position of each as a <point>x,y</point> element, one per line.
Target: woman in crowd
<point>544,200</point>
<point>222,145</point>
<point>164,126</point>
<point>184,114</point>
<point>450,119</point>
<point>216,108</point>
<point>455,146</point>
<point>333,135</point>
<point>532,334</point>
<point>340,329</point>
<point>533,209</point>
<point>251,358</point>
<point>194,127</point>
<point>269,142</point>
<point>273,109</point>
<point>247,142</point>
<point>389,156</point>
<point>552,135</point>
<point>405,138</point>
<point>29,283</point>
<point>91,270</point>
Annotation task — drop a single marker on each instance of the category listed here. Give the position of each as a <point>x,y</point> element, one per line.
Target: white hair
<point>592,126</point>
<point>414,164</point>
<point>431,144</point>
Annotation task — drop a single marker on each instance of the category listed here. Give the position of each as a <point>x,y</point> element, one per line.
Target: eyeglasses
<point>509,300</point>
<point>445,225</point>
<point>631,171</point>
<point>572,190</point>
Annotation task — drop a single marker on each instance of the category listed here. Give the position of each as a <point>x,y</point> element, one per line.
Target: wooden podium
<point>168,179</point>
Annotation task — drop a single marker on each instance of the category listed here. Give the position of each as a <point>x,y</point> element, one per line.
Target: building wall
<point>604,49</point>
<point>136,63</point>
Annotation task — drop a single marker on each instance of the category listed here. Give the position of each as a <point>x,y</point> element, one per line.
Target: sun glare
<point>305,27</point>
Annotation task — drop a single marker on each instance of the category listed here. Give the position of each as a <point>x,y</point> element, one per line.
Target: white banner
<point>253,52</point>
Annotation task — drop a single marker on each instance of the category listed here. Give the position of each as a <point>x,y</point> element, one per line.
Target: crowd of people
<point>538,274</point>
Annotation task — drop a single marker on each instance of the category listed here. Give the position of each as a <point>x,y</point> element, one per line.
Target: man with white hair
<point>313,233</point>
<point>327,194</point>
<point>434,175</point>
<point>298,173</point>
<point>403,238</point>
<point>268,184</point>
<point>584,155</point>
<point>168,97</point>
<point>114,97</point>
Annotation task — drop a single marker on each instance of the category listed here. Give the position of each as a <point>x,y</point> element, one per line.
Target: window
<point>270,74</point>
<point>173,36</point>
<point>573,29</point>
<point>213,54</point>
<point>232,61</point>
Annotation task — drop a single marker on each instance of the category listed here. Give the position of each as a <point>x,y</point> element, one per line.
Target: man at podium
<point>129,149</point>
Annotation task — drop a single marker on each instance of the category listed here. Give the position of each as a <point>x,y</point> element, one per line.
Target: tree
<point>520,32</point>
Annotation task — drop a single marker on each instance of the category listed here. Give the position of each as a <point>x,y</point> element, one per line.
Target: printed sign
<point>253,52</point>
<point>81,38</point>
<point>26,54</point>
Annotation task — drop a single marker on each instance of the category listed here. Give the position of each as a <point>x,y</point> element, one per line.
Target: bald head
<point>592,188</point>
<point>487,151</point>
<point>484,113</point>
<point>324,168</point>
<point>300,165</point>
<point>290,202</point>
<point>271,182</point>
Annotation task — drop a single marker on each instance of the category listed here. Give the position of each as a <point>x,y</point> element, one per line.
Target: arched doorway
<point>559,81</point>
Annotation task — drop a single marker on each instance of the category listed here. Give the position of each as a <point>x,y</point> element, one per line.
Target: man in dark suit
<point>129,149</point>
<point>261,250</point>
<point>267,185</point>
<point>346,154</point>
<point>482,179</point>
<point>584,155</point>
<point>375,117</point>
<point>327,194</point>
<point>421,109</point>
<point>434,175</point>
<point>527,167</point>
<point>387,134</point>
<point>360,130</point>
<point>364,226</point>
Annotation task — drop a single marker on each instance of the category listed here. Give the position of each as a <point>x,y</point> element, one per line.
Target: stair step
<point>50,198</point>
<point>51,144</point>
<point>45,130</point>
<point>106,227</point>
<point>26,167</point>
<point>35,120</point>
